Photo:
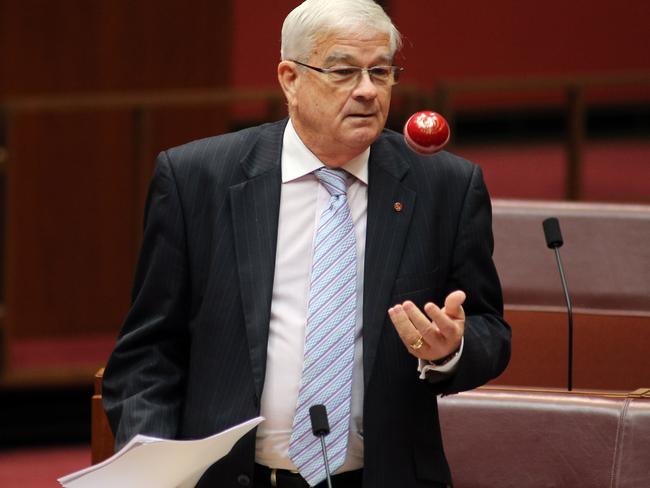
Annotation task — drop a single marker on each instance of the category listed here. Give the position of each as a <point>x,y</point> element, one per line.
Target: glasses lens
<point>345,74</point>
<point>381,73</point>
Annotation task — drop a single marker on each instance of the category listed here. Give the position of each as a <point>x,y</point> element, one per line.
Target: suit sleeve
<point>145,375</point>
<point>486,349</point>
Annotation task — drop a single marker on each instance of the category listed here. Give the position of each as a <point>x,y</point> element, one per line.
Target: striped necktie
<point>329,341</point>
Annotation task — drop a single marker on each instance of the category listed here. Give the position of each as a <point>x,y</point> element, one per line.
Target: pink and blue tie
<point>329,341</point>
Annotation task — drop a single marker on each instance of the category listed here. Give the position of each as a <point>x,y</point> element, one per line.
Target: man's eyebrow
<point>338,57</point>
<point>335,57</point>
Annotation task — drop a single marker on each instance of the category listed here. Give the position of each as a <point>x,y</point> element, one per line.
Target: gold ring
<point>417,344</point>
<point>274,477</point>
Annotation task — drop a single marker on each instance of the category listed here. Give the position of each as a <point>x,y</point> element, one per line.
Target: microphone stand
<point>554,241</point>
<point>327,464</point>
<point>320,427</point>
<point>567,299</point>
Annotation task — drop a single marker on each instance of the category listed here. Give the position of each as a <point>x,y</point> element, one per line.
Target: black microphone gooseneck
<point>554,241</point>
<point>321,427</point>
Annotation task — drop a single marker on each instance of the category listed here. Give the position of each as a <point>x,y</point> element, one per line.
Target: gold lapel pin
<point>397,206</point>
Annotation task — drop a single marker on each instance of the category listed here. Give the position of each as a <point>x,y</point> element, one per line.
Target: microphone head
<point>319,423</point>
<point>426,132</point>
<point>552,233</point>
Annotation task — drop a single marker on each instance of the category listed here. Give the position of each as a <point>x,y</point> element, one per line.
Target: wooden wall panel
<point>70,214</point>
<point>104,45</point>
<point>76,179</point>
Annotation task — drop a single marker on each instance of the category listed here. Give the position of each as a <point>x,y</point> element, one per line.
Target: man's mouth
<point>365,116</point>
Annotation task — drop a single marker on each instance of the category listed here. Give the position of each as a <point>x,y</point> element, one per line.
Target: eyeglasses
<point>350,75</point>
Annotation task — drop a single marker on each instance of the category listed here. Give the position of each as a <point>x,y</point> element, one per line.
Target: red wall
<point>451,38</point>
<point>112,45</point>
<point>75,181</point>
<point>256,41</point>
<point>510,37</point>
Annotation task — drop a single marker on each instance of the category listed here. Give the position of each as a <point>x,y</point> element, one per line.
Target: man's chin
<point>364,135</point>
<point>358,122</point>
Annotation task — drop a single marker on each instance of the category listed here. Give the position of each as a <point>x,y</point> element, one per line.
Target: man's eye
<point>343,72</point>
<point>380,71</point>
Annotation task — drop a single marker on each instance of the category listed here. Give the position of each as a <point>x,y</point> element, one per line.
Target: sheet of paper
<point>149,461</point>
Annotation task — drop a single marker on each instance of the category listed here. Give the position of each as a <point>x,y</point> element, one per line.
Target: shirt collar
<point>298,160</point>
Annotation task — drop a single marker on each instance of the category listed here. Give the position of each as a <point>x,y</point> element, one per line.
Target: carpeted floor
<point>40,467</point>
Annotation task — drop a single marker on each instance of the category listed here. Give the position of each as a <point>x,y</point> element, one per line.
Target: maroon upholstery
<point>534,438</point>
<point>606,256</point>
<point>632,461</point>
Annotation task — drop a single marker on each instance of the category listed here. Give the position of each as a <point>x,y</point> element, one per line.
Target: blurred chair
<point>102,440</point>
<point>530,438</point>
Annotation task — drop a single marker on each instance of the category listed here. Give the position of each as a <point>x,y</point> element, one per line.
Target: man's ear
<point>288,78</point>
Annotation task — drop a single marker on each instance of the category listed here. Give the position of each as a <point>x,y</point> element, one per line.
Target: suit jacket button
<point>244,480</point>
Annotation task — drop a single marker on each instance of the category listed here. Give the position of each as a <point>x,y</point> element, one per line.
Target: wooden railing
<point>574,89</point>
<point>141,104</point>
<point>443,99</point>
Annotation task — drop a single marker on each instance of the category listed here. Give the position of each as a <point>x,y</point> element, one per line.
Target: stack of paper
<point>149,461</point>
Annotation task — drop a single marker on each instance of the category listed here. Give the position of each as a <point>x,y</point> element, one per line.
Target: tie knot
<point>333,180</point>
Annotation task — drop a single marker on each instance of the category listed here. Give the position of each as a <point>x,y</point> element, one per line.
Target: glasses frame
<point>358,69</point>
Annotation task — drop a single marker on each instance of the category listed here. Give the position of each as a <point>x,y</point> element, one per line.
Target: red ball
<point>426,132</point>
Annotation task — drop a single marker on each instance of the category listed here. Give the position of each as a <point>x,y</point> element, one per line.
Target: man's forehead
<point>334,47</point>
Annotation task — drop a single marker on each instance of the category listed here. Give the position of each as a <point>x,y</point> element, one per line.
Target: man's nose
<point>365,88</point>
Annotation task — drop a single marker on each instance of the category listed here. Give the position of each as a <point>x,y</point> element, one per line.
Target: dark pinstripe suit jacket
<point>190,360</point>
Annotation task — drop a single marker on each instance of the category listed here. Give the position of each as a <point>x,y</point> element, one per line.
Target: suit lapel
<point>390,208</point>
<point>255,207</point>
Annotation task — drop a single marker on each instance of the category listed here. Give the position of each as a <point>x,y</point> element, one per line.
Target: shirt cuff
<point>449,367</point>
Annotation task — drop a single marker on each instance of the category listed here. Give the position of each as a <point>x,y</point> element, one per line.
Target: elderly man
<point>300,263</point>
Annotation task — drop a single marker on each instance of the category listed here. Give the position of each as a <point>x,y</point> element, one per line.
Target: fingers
<point>419,334</point>
<point>421,322</point>
<point>450,319</point>
<point>453,304</point>
<point>434,332</point>
<point>403,318</point>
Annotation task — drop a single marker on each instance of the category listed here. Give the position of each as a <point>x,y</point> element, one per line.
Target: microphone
<point>552,233</point>
<point>320,427</point>
<point>426,132</point>
<point>554,241</point>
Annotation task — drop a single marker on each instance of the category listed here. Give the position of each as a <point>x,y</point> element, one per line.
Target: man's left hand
<point>434,335</point>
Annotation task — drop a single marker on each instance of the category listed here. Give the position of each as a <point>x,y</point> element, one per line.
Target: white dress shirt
<point>302,201</point>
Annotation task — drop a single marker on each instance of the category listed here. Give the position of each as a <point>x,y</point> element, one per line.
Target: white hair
<point>313,18</point>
